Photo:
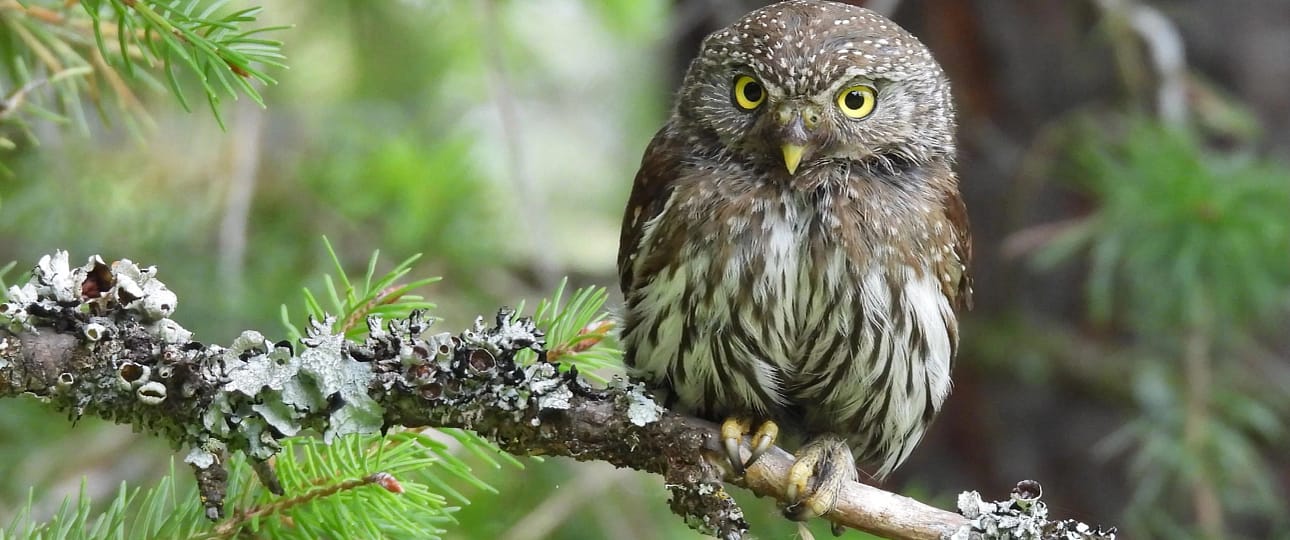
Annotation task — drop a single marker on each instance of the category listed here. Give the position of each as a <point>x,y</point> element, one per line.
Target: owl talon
<point>823,466</point>
<point>733,431</point>
<point>732,434</point>
<point>765,438</point>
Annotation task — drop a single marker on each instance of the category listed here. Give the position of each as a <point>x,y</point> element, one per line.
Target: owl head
<point>810,84</point>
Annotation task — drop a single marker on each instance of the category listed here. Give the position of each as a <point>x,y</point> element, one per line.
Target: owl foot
<point>823,466</point>
<point>732,433</point>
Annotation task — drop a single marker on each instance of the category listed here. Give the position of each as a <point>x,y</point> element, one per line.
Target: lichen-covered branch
<point>97,340</point>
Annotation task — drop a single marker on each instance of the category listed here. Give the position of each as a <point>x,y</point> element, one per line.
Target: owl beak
<point>795,135</point>
<point>792,156</point>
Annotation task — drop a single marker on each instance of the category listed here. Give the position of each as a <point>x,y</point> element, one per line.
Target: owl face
<point>806,85</point>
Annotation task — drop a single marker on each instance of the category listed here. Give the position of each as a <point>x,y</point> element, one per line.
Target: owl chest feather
<point>771,309</point>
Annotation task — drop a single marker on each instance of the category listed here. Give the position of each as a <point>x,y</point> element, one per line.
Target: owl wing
<point>959,288</point>
<point>650,192</point>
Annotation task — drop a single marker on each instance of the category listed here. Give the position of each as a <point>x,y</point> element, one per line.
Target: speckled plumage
<point>823,299</point>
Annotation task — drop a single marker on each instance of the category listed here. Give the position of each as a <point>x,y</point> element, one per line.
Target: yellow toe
<point>763,440</point>
<point>732,435</point>
<point>823,466</point>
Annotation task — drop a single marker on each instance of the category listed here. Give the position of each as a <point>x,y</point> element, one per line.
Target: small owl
<point>795,248</point>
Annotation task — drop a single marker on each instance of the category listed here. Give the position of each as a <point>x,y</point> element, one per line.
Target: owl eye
<point>857,101</point>
<point>748,93</point>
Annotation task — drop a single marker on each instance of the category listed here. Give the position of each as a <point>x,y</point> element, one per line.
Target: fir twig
<point>137,40</point>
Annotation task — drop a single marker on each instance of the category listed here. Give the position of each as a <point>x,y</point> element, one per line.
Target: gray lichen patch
<point>140,292</point>
<point>151,393</point>
<point>267,384</point>
<point>545,384</point>
<point>55,280</point>
<point>122,290</point>
<point>708,509</point>
<point>14,312</point>
<point>6,343</point>
<point>642,410</point>
<point>200,458</point>
<point>1022,517</point>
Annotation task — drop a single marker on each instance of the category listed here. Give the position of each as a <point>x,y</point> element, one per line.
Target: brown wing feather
<point>956,213</point>
<point>650,191</point>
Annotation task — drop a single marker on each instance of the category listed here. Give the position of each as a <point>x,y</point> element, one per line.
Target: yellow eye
<point>858,101</point>
<point>748,93</point>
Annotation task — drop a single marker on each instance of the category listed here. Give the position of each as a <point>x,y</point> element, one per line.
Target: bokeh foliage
<point>1189,250</point>
<point>1182,237</point>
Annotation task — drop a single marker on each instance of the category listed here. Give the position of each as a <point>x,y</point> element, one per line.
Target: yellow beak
<point>792,156</point>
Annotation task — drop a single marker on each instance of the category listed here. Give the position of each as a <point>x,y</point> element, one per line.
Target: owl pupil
<point>752,92</point>
<point>854,100</point>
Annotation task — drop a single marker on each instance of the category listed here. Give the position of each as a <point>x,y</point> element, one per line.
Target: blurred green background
<point>1124,164</point>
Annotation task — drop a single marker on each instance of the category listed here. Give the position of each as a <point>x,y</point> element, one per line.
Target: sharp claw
<point>798,476</point>
<point>838,529</point>
<point>800,511</point>
<point>732,434</point>
<point>815,479</point>
<point>732,452</point>
<point>762,441</point>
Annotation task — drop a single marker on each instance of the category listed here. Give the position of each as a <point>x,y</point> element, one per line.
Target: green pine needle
<point>208,43</point>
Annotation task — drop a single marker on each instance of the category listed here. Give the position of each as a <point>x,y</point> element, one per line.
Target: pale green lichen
<point>13,312</point>
<point>4,348</point>
<point>1022,517</point>
<point>642,410</point>
<point>141,293</point>
<point>283,417</point>
<point>94,331</point>
<point>336,373</point>
<point>54,284</point>
<point>200,458</point>
<point>56,280</point>
<point>151,393</point>
<point>255,392</point>
<point>548,387</point>
<point>260,371</point>
<point>282,389</point>
<point>169,331</point>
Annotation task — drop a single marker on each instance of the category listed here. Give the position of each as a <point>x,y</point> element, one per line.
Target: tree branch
<point>96,340</point>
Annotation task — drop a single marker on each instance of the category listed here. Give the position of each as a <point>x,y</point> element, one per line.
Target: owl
<point>794,252</point>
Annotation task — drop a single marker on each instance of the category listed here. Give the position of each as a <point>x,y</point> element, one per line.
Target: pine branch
<point>111,43</point>
<point>97,340</point>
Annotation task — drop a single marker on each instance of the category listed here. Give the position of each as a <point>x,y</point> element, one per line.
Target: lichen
<point>549,389</point>
<point>200,458</point>
<point>55,280</point>
<point>140,292</point>
<point>642,410</point>
<point>151,393</point>
<point>1022,517</point>
<point>708,509</point>
<point>269,384</point>
<point>123,290</point>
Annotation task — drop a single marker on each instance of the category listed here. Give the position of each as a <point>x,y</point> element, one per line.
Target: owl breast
<point>778,307</point>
